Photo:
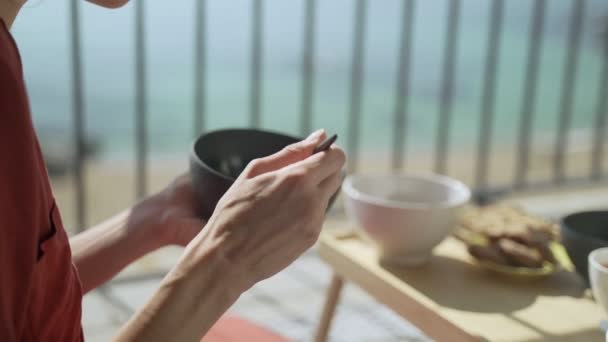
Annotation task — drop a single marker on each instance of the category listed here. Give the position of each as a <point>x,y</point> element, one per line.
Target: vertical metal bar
<point>599,135</point>
<point>529,93</point>
<point>402,88</point>
<point>256,63</point>
<point>78,112</point>
<point>447,86</point>
<point>568,86</point>
<point>308,67</point>
<point>200,64</point>
<point>356,84</point>
<point>489,95</point>
<point>141,101</point>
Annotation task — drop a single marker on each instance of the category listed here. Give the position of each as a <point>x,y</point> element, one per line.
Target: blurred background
<point>387,64</point>
<point>505,95</point>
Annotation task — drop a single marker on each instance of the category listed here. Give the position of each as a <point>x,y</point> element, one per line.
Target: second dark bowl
<point>581,234</point>
<point>218,157</point>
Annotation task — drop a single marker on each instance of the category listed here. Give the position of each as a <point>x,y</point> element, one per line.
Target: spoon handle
<point>326,144</point>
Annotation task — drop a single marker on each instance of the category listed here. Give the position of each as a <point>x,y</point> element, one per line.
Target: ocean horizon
<point>42,33</point>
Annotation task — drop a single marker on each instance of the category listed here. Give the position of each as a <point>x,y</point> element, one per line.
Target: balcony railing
<point>401,114</point>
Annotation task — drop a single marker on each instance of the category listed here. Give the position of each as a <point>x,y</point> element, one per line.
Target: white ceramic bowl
<point>405,216</point>
<point>598,276</point>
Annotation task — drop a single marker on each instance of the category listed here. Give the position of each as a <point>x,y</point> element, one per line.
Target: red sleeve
<point>20,205</point>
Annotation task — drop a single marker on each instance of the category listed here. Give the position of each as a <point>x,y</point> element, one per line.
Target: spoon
<point>326,144</point>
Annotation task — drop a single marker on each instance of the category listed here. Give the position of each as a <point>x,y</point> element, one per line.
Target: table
<point>452,299</point>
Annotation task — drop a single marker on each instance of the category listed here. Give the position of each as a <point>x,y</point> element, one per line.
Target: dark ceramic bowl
<point>581,234</point>
<point>217,158</point>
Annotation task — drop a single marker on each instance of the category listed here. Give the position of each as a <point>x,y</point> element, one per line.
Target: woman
<point>268,218</point>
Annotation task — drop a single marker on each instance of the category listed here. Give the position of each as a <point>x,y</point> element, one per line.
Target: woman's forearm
<point>190,299</point>
<point>102,251</point>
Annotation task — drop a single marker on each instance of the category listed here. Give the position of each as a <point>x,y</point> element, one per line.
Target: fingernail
<point>314,135</point>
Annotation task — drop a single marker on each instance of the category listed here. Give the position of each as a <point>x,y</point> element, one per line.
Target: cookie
<point>519,254</point>
<point>489,253</point>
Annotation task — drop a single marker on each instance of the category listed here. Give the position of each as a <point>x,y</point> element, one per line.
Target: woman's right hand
<point>271,215</point>
<point>274,211</point>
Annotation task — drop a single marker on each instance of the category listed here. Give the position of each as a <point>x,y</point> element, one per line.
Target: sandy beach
<point>110,185</point>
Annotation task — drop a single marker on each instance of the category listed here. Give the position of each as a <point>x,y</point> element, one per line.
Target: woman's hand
<point>170,217</point>
<point>275,210</point>
<point>271,214</point>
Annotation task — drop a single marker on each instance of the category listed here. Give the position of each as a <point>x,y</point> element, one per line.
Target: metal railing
<point>401,90</point>
<point>482,186</point>
<point>78,111</point>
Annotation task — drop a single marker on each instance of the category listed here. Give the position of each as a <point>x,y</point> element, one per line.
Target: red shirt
<point>40,292</point>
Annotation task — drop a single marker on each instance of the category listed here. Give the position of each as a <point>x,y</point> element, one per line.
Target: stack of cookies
<point>512,237</point>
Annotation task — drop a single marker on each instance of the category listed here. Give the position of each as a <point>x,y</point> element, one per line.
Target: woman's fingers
<point>331,184</point>
<point>320,166</point>
<point>287,156</point>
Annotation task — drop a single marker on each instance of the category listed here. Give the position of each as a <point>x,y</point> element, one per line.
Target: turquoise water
<point>42,33</point>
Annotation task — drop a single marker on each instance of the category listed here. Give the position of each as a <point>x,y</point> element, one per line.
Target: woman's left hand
<point>170,217</point>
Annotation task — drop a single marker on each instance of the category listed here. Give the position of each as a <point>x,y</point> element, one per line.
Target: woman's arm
<point>166,218</point>
<point>189,300</point>
<point>104,250</point>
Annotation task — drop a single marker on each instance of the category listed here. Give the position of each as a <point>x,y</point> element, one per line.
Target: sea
<point>43,34</point>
